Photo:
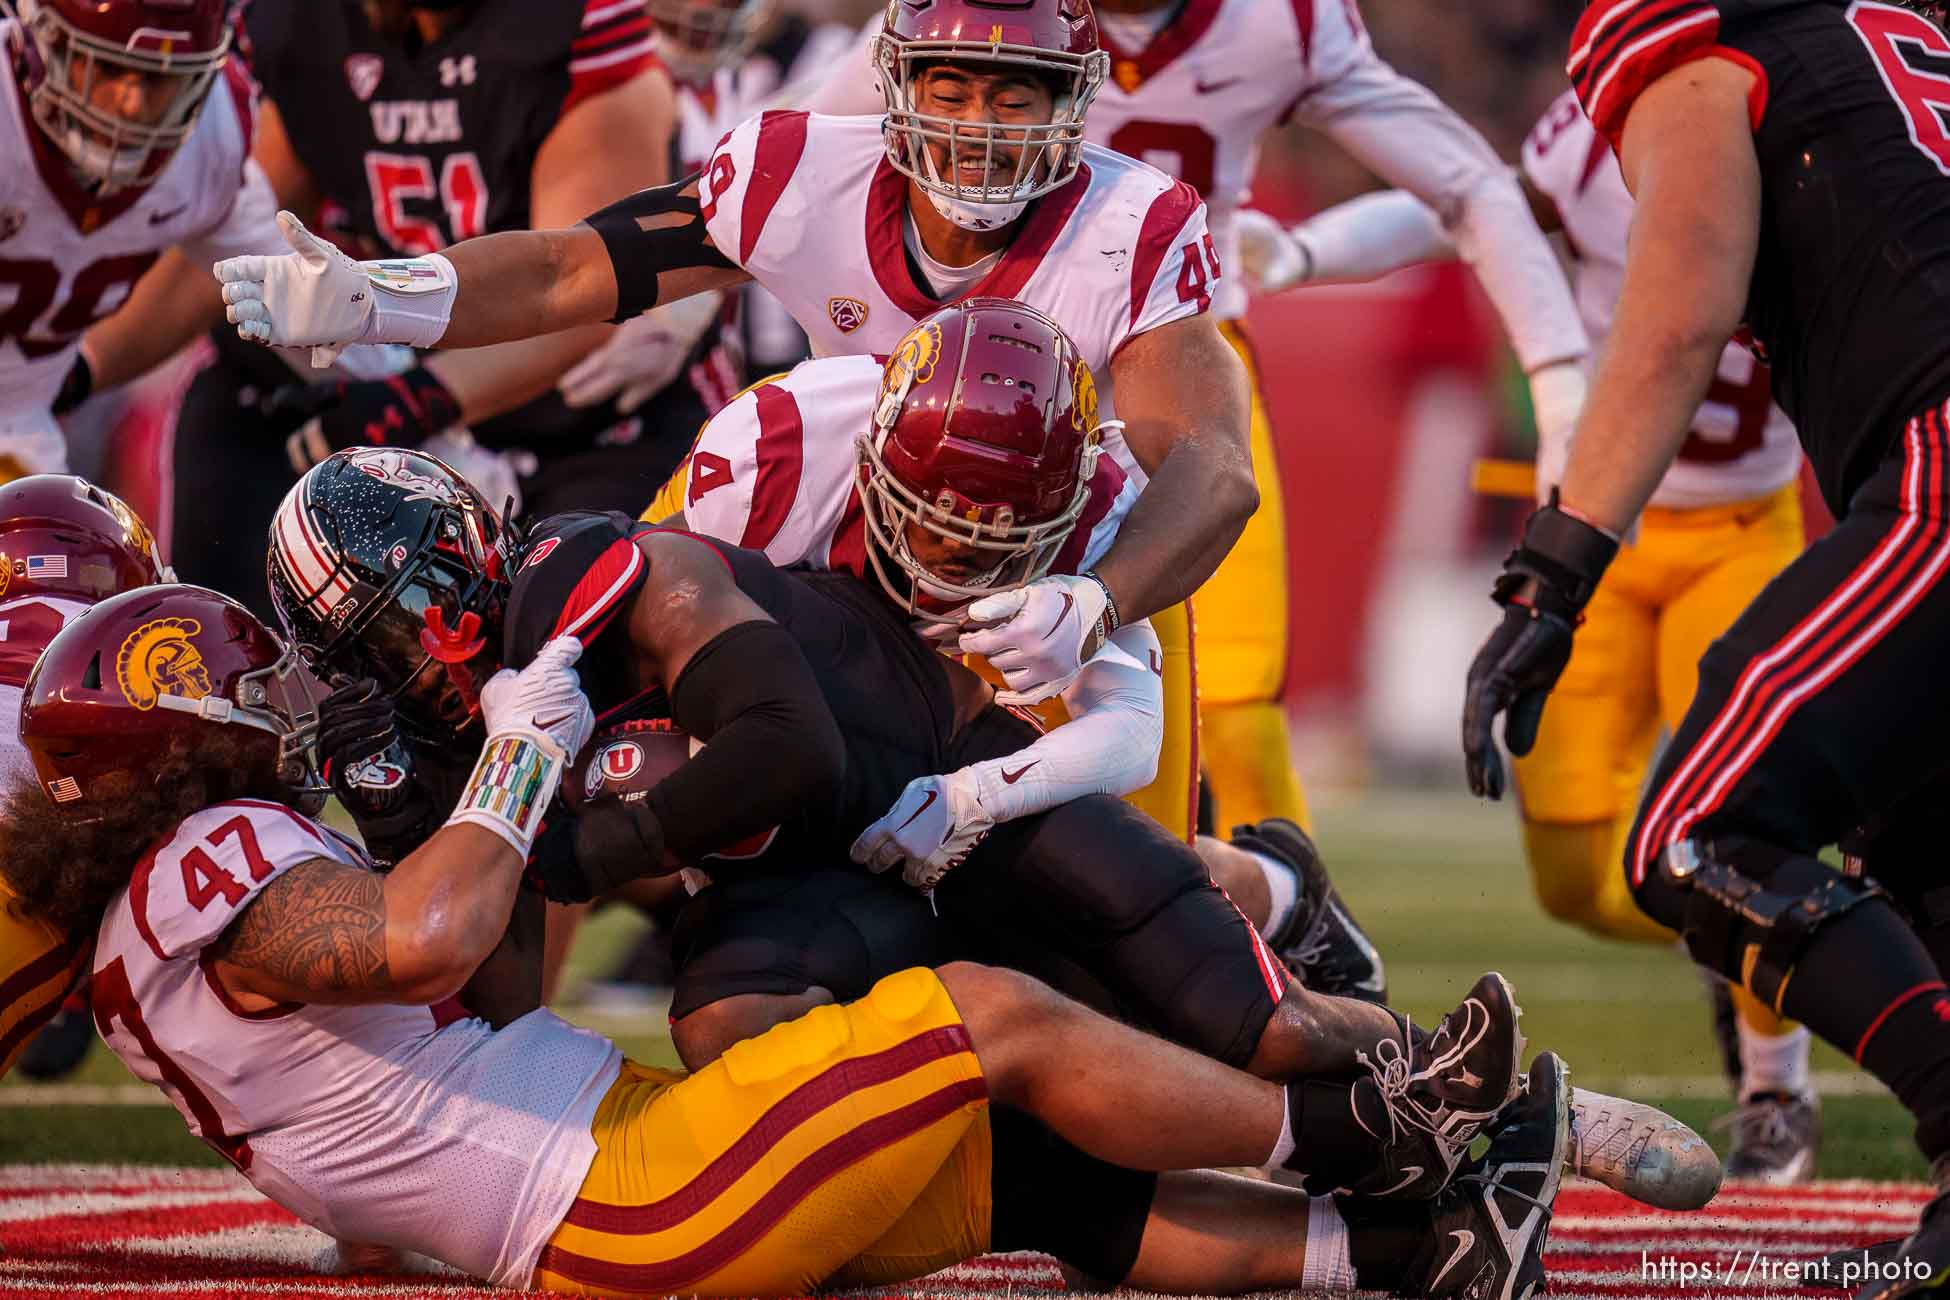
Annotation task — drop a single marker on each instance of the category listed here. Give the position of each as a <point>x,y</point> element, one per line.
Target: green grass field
<point>1439,882</point>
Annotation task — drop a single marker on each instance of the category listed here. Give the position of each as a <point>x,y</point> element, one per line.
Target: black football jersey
<point>416,149</point>
<point>1850,300</point>
<point>578,574</point>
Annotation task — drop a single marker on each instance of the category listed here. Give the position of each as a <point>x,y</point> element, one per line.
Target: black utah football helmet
<point>384,563</point>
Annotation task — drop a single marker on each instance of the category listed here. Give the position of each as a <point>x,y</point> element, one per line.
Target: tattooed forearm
<point>317,930</point>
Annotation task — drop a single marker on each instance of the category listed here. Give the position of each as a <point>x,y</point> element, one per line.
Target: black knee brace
<point>1744,930</point>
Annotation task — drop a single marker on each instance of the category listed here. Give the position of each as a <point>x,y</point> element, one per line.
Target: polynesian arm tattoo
<point>316,934</point>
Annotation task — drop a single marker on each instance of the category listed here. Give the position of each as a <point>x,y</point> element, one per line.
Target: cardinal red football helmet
<point>1055,39</point>
<point>63,536</point>
<point>173,50</point>
<point>984,436</point>
<point>697,37</point>
<point>128,682</point>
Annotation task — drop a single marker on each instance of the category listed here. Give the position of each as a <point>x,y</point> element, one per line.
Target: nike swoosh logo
<point>553,722</point>
<point>925,805</point>
<point>1204,87</point>
<point>1010,778</point>
<point>157,218</point>
<point>1464,1240</point>
<point>1412,1173</point>
<point>1068,600</point>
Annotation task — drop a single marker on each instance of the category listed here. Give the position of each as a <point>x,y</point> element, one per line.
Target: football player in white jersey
<point>295,1006</point>
<point>976,181</point>
<point>1725,519</point>
<point>64,544</point>
<point>1193,86</point>
<point>131,135</point>
<point>844,463</point>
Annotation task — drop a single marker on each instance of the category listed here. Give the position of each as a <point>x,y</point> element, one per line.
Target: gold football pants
<point>1633,670</point>
<point>849,1147</point>
<point>37,968</point>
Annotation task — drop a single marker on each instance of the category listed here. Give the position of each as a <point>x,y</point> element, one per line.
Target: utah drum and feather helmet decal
<point>159,658</point>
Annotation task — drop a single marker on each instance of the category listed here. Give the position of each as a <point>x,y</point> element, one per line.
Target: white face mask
<point>975,216</point>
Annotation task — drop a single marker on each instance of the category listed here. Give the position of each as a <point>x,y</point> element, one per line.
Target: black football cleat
<point>1920,1263</point>
<point>1776,1137</point>
<point>1428,1096</point>
<point>61,1046</point>
<point>1320,942</point>
<point>1486,1240</point>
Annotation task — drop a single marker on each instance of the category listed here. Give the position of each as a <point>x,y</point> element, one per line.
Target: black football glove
<point>319,419</point>
<point>1545,584</point>
<point>371,771</point>
<point>76,385</point>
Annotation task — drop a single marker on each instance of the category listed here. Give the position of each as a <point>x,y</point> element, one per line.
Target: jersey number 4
<point>1913,57</point>
<point>204,878</point>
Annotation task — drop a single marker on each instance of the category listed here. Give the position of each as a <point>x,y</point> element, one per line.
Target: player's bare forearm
<point>523,283</point>
<point>508,984</point>
<point>1690,159</point>
<point>1183,395</point>
<point>491,380</point>
<point>327,932</point>
<point>172,303</point>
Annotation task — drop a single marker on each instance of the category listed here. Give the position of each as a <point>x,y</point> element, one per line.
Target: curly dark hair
<point>67,869</point>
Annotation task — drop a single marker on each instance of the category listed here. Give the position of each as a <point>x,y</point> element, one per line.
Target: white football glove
<point>1273,257</point>
<point>1039,635</point>
<point>318,297</point>
<point>1557,393</point>
<point>643,355</point>
<point>930,830</point>
<point>543,701</point>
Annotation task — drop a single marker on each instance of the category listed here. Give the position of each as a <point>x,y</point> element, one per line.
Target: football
<point>626,761</point>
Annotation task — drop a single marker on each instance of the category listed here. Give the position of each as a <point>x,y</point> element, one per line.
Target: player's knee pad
<point>1746,930</point>
<point>1039,1181</point>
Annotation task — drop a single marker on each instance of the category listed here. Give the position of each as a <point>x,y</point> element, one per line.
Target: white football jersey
<point>26,626</point>
<point>403,1126</point>
<point>1742,445</point>
<point>810,206</point>
<point>775,471</point>
<point>72,259</point>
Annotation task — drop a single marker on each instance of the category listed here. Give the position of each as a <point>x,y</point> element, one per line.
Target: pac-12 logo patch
<point>362,73</point>
<point>847,313</point>
<point>614,762</point>
<point>159,659</point>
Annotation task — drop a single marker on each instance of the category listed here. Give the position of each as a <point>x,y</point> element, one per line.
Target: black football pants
<point>1825,703</point>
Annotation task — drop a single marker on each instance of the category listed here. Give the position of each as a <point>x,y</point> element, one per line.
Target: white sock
<point>1329,1267</point>
<point>1282,885</point>
<point>1773,1062</point>
<point>1284,1147</point>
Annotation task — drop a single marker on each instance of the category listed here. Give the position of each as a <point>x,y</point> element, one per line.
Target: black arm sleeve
<point>773,751</point>
<point>650,232</point>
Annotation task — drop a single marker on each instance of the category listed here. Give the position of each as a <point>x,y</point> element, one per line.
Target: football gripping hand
<point>403,410</point>
<point>1041,635</point>
<point>931,829</point>
<point>1545,584</point>
<point>318,297</point>
<point>544,699</point>
<point>371,771</point>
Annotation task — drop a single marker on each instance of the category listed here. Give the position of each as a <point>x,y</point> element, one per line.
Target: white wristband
<point>412,301</point>
<point>512,784</point>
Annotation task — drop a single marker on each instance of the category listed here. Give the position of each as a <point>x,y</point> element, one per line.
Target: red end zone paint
<point>170,1234</point>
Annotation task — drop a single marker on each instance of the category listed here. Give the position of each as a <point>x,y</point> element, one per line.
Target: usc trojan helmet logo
<point>1084,387</point>
<point>913,360</point>
<point>159,659</point>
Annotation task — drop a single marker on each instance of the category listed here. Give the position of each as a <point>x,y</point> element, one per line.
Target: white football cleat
<point>1641,1151</point>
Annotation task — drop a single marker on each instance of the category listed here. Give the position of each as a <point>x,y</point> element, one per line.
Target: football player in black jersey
<point>1790,163</point>
<point>399,128</point>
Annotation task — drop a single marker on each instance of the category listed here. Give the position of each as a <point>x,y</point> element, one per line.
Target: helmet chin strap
<point>976,216</point>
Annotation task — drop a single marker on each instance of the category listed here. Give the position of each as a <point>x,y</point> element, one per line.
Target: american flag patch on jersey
<point>66,790</point>
<point>47,566</point>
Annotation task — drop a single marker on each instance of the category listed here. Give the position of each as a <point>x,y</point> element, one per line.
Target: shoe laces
<point>1762,1123</point>
<point>1394,1074</point>
<point>1497,1187</point>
